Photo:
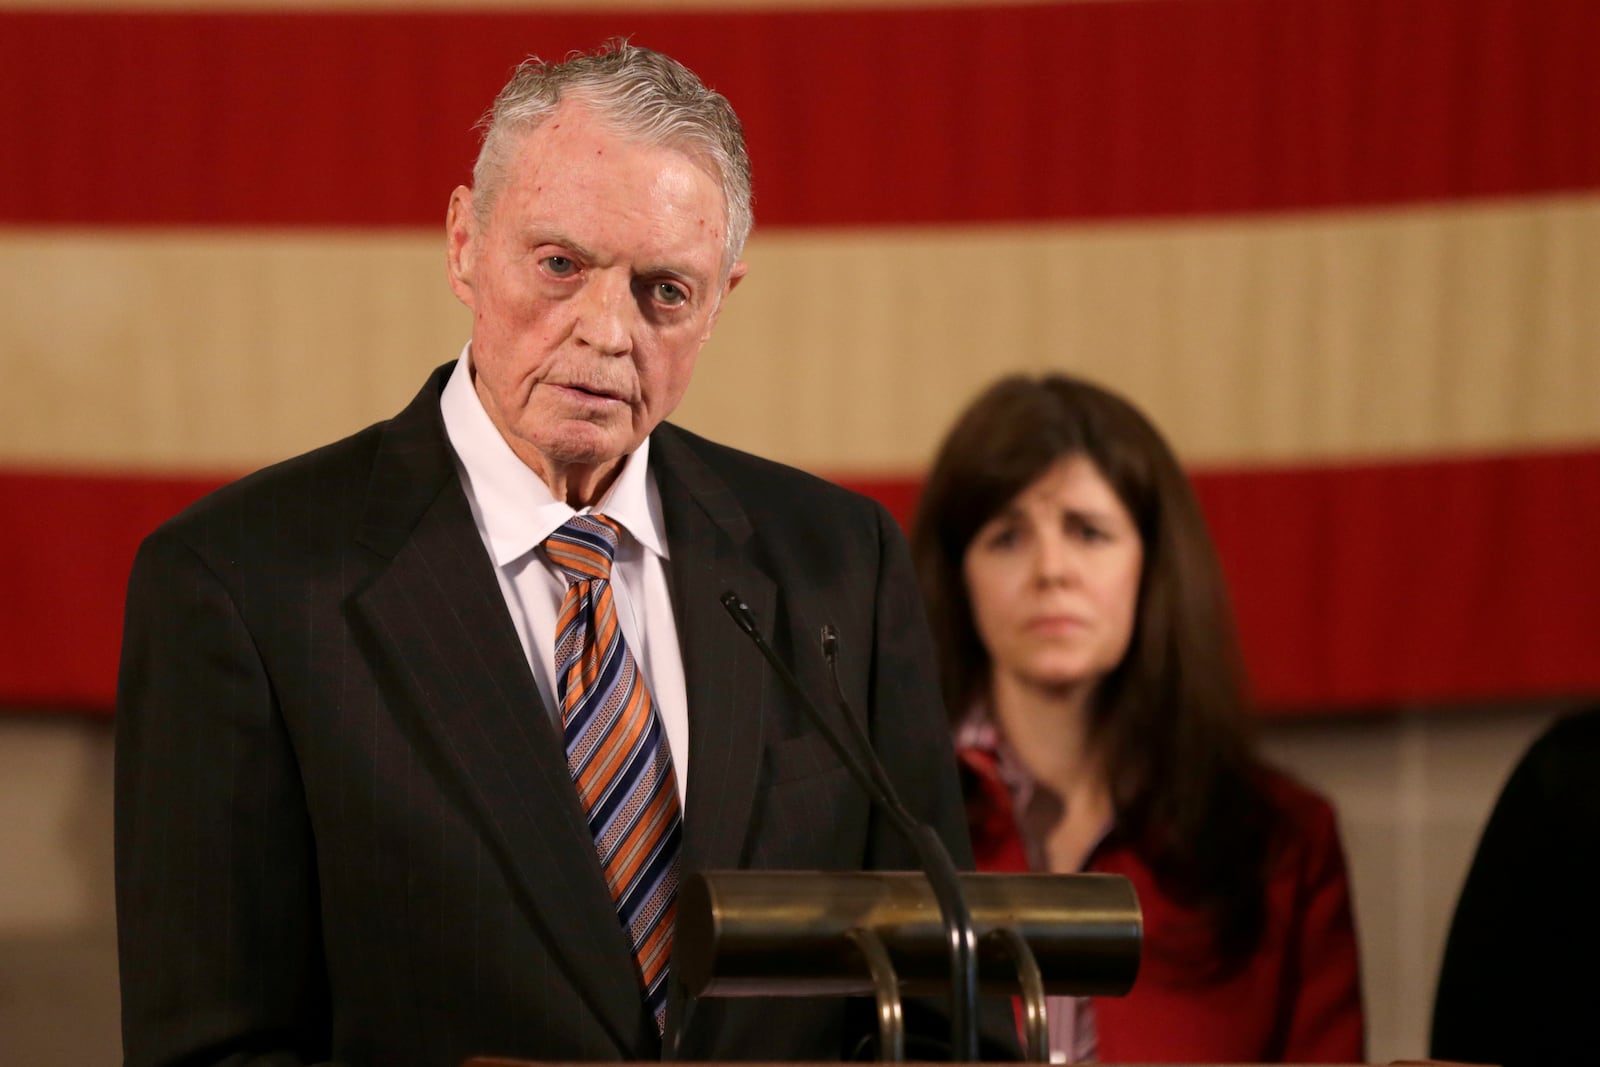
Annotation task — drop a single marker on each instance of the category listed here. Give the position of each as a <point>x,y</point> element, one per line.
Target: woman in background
<point>1093,680</point>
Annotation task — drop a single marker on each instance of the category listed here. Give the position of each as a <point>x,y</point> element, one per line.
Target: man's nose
<point>606,312</point>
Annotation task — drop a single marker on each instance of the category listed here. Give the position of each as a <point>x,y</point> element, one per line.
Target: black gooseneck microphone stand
<point>868,771</point>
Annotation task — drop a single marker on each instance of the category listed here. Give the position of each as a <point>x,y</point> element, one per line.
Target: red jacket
<point>1298,996</point>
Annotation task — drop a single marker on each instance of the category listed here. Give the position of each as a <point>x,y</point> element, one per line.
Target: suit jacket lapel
<point>440,626</point>
<point>724,675</point>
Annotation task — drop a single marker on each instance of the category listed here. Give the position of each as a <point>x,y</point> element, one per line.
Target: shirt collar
<point>979,730</point>
<point>1035,807</point>
<point>515,507</point>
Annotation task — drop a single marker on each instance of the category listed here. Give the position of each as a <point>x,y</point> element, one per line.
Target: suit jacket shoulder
<point>288,515</point>
<point>765,489</point>
<point>824,547</point>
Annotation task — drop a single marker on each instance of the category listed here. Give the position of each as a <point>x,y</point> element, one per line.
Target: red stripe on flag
<point>66,549</point>
<point>1355,587</point>
<point>900,116</point>
<point>1414,583</point>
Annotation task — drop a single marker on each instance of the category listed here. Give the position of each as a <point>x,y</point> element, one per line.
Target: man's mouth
<point>591,392</point>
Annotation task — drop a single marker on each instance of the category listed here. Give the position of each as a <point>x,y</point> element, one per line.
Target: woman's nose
<point>1054,560</point>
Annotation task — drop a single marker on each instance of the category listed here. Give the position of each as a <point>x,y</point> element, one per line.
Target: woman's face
<point>1054,580</point>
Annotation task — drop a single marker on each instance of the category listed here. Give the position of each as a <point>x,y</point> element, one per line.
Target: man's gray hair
<point>644,95</point>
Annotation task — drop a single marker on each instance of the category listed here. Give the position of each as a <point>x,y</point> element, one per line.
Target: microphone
<point>934,858</point>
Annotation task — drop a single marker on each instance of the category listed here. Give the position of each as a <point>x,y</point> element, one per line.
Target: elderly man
<point>418,732</point>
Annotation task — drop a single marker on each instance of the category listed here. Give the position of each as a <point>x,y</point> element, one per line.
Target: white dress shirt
<point>515,511</point>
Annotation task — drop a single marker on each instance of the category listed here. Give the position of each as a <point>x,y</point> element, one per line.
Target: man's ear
<point>735,276</point>
<point>461,249</point>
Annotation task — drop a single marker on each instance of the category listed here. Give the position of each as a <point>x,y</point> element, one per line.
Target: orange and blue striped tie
<point>617,751</point>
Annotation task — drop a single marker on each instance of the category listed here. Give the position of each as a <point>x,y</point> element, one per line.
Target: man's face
<point>593,283</point>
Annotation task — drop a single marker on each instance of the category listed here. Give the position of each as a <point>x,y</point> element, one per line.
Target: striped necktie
<point>617,751</point>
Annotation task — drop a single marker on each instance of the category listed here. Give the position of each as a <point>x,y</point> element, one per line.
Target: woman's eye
<point>1086,531</point>
<point>560,266</point>
<point>1003,538</point>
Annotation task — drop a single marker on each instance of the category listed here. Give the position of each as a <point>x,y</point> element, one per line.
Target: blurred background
<point>1346,253</point>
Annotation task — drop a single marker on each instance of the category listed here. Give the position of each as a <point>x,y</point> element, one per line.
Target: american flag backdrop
<point>1346,253</point>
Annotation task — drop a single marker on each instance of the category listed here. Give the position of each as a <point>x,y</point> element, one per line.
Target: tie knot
<point>584,547</point>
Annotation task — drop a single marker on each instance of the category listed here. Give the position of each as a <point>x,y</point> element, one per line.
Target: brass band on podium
<point>811,933</point>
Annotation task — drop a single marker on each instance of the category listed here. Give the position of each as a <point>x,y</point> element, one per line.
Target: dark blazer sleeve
<point>908,726</point>
<point>217,926</point>
<point>1518,983</point>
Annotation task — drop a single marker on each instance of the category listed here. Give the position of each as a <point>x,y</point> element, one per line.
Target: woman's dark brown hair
<point>1170,719</point>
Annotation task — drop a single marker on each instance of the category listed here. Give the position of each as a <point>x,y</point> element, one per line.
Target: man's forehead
<point>560,171</point>
<point>575,118</point>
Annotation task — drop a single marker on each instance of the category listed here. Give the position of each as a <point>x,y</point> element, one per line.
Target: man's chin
<point>587,445</point>
<point>581,450</point>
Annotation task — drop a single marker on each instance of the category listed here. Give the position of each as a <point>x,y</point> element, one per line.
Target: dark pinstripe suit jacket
<point>344,825</point>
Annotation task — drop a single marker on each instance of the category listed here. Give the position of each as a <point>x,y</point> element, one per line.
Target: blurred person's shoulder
<point>1569,745</point>
<point>1557,772</point>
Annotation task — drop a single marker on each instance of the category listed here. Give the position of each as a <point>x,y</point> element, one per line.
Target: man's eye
<point>670,293</point>
<point>560,266</point>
